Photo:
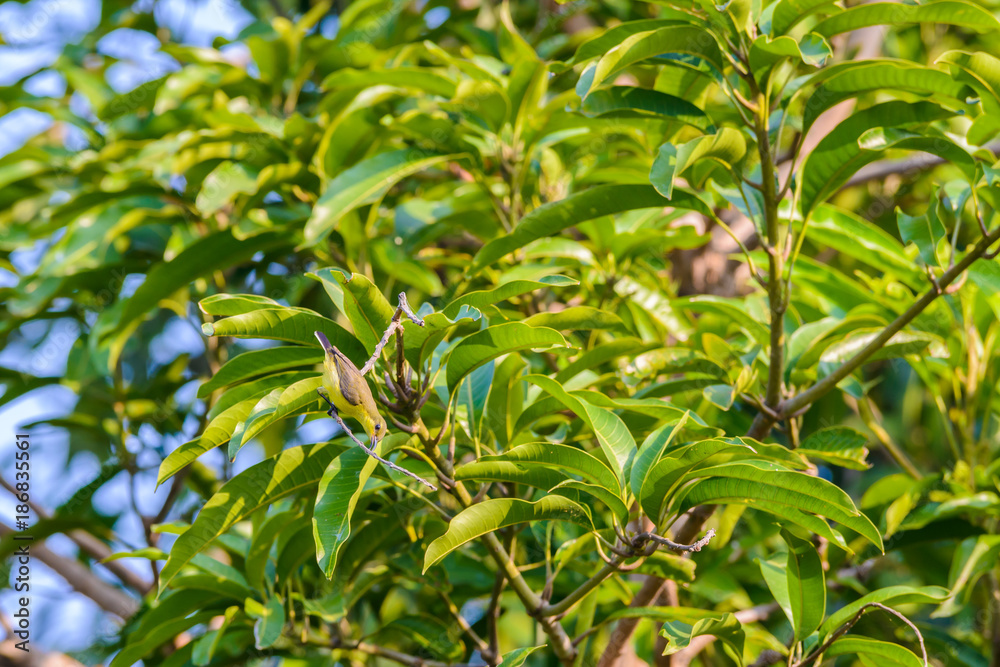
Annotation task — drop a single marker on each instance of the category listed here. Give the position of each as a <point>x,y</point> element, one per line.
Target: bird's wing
<point>352,383</point>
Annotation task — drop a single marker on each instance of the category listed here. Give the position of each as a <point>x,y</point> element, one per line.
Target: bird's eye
<point>378,427</point>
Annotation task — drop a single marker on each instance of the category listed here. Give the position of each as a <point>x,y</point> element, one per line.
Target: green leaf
<point>482,298</point>
<point>775,574</point>
<point>596,202</point>
<point>612,435</point>
<point>336,498</point>
<point>368,311</point>
<point>611,37</point>
<point>806,585</point>
<point>270,620</point>
<point>206,646</point>
<point>858,78</point>
<point>213,253</point>
<point>261,543</point>
<point>610,499</point>
<point>223,184</point>
<point>237,304</point>
<point>838,156</point>
<point>293,326</point>
<point>973,558</point>
<point>420,342</point>
<point>666,473</point>
<point>150,553</point>
<point>560,458</point>
<point>900,345</point>
<point>260,362</point>
<point>296,399</point>
<point>882,139</point>
<point>496,513</point>
<point>949,12</point>
<point>488,344</point>
<point>578,318</point>
<point>628,98</point>
<point>763,485</point>
<point>687,39</point>
<point>517,657</point>
<point>620,346</point>
<point>726,629</point>
<point>365,183</point>
<point>787,13</point>
<point>668,566</point>
<point>294,469</point>
<point>882,653</point>
<point>766,51</point>
<point>256,389</point>
<point>650,452</point>
<point>983,129</point>
<point>431,635</point>
<point>889,596</point>
<point>218,431</point>
<point>538,476</point>
<point>837,445</point>
<point>503,401</point>
<point>726,147</point>
<point>856,237</point>
<point>726,308</point>
<point>145,643</point>
<point>418,78</point>
<point>924,231</point>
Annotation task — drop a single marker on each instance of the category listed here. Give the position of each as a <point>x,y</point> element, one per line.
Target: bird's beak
<point>374,441</point>
<point>323,341</point>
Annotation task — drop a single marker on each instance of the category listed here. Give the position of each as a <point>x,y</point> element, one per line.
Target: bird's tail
<point>321,337</point>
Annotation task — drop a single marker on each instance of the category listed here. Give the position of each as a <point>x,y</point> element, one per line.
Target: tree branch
<point>763,423</point>
<point>561,642</point>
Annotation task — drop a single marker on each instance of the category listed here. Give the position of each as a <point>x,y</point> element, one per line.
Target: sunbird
<point>347,392</point>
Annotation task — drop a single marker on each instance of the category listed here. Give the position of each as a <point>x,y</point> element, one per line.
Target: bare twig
<point>394,324</point>
<point>642,538</point>
<point>333,413</point>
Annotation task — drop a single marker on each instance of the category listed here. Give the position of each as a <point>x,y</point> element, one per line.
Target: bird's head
<point>379,429</point>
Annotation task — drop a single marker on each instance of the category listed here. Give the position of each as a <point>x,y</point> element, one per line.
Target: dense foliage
<point>547,185</point>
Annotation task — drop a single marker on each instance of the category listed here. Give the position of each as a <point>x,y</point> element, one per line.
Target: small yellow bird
<point>348,393</point>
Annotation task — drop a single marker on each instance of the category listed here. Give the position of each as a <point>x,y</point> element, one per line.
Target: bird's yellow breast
<point>332,383</point>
